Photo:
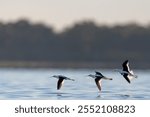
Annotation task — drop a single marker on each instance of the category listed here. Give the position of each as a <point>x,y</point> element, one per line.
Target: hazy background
<point>61,13</point>
<point>74,33</point>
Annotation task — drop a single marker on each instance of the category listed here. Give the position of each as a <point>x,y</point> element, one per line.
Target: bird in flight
<point>61,79</point>
<point>126,72</point>
<point>98,79</point>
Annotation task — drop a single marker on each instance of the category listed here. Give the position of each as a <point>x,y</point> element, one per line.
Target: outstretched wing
<point>98,83</point>
<point>62,77</point>
<point>98,73</point>
<point>125,66</point>
<point>126,76</point>
<point>59,83</point>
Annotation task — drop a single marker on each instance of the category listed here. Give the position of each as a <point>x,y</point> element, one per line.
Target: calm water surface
<point>37,84</point>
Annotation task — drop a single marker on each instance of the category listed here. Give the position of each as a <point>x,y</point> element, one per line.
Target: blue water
<point>37,84</point>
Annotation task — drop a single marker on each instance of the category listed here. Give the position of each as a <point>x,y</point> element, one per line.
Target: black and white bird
<point>61,79</point>
<point>98,79</point>
<point>126,72</point>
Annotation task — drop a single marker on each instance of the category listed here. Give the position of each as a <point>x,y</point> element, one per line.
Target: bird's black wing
<point>125,66</point>
<point>126,77</point>
<point>98,73</point>
<point>59,83</point>
<point>62,77</point>
<point>98,83</point>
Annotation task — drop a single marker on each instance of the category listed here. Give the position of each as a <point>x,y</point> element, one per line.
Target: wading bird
<point>126,72</point>
<point>98,79</point>
<point>61,79</point>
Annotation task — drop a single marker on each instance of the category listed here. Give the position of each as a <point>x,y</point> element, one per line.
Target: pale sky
<point>62,13</point>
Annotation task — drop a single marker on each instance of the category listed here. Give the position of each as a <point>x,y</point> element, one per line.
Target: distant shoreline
<point>38,64</point>
<point>88,65</point>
